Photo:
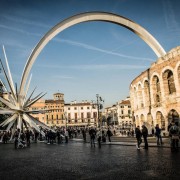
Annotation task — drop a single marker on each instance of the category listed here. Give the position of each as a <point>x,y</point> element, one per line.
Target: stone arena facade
<point>155,93</point>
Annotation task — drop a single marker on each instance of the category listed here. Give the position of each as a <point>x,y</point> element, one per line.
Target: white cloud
<point>169,16</point>
<point>73,43</point>
<point>19,30</point>
<point>25,21</point>
<point>86,46</point>
<point>95,66</point>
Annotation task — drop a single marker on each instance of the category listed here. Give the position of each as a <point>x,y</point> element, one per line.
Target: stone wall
<point>155,93</point>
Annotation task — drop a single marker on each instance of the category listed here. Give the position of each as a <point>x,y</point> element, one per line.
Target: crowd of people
<point>174,134</point>
<point>57,136</point>
<point>62,135</point>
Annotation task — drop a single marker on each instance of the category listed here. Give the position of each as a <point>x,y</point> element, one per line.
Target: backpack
<point>174,130</point>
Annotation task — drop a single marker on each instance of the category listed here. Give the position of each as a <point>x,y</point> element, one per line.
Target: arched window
<point>156,90</point>
<point>140,97</point>
<point>168,80</point>
<point>146,93</point>
<point>157,84</point>
<point>178,74</point>
<point>135,99</point>
<point>171,84</point>
<point>160,120</point>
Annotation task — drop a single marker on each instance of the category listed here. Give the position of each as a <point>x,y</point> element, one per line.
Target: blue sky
<point>88,58</point>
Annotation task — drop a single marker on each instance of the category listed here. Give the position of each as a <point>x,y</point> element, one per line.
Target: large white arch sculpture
<point>84,17</point>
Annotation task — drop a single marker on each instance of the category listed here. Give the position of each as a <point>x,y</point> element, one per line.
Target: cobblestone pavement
<point>77,160</point>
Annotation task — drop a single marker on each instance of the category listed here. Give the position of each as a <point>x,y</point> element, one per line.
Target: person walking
<point>138,137</point>
<point>158,135</point>
<point>145,135</point>
<point>84,134</point>
<point>174,134</point>
<point>99,137</point>
<point>28,138</point>
<point>16,137</point>
<point>109,134</point>
<point>66,135</point>
<point>5,137</point>
<point>103,136</point>
<point>92,134</point>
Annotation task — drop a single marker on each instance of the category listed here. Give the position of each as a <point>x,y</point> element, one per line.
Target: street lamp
<point>99,106</point>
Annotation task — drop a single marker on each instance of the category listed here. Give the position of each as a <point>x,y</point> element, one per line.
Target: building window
<point>81,107</point>
<point>88,108</point>
<point>82,115</point>
<point>69,108</point>
<point>75,108</point>
<point>94,114</point>
<point>57,116</point>
<point>129,111</point>
<point>47,117</point>
<point>52,116</point>
<point>75,115</point>
<point>69,115</point>
<point>88,115</point>
<point>122,112</point>
<point>122,106</point>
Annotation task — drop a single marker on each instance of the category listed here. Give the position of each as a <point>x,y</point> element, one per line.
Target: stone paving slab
<point>80,161</point>
<point>129,143</point>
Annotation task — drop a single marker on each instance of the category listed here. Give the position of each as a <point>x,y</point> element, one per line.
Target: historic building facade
<point>155,93</point>
<point>52,110</point>
<point>81,114</point>
<point>120,114</point>
<point>124,114</point>
<point>111,115</point>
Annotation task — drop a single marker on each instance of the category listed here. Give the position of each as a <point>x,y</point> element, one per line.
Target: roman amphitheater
<point>155,93</point>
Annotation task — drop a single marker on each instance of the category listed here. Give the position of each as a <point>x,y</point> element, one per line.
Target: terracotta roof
<point>79,104</point>
<point>54,101</point>
<point>58,93</point>
<point>126,102</point>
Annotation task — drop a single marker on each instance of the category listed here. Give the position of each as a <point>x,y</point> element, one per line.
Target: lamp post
<point>113,117</point>
<point>99,106</point>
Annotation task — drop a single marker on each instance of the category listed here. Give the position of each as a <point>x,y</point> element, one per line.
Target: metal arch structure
<point>85,17</point>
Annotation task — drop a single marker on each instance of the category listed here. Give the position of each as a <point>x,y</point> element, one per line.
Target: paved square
<point>77,160</point>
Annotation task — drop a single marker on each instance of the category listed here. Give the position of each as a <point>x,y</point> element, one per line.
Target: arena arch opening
<point>85,17</point>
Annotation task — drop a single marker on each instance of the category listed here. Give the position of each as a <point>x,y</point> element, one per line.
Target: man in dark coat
<point>145,135</point>
<point>109,134</point>
<point>138,137</point>
<point>92,133</point>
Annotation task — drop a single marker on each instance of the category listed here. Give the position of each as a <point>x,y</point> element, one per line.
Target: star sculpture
<point>17,106</point>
